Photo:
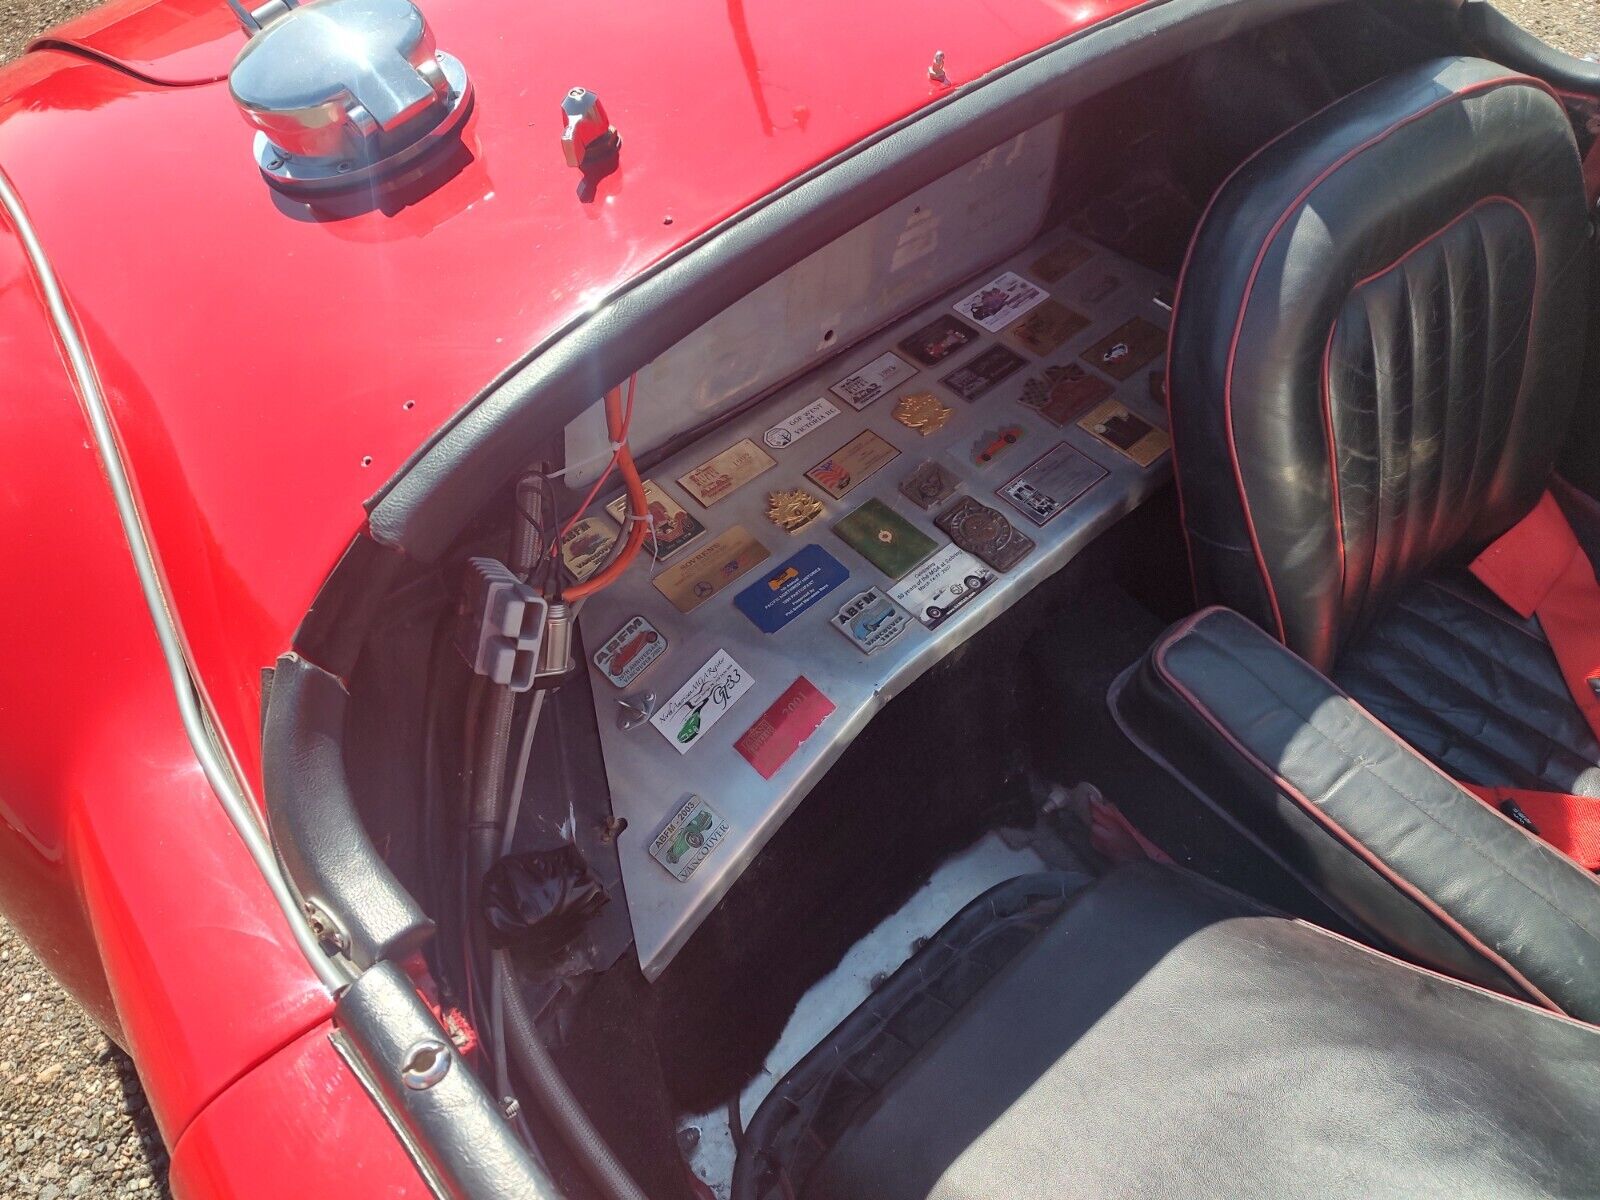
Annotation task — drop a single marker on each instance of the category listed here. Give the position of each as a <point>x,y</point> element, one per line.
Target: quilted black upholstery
<point>1473,686</point>
<point>1376,347</point>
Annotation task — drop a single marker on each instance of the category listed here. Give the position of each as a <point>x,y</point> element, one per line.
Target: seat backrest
<point>1376,346</point>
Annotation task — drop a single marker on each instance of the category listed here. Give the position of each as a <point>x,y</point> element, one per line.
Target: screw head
<point>426,1063</point>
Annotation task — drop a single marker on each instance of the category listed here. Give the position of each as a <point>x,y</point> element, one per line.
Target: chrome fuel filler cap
<point>343,92</point>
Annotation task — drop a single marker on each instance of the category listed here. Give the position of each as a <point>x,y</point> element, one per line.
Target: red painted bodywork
<point>303,1097</point>
<point>267,371</point>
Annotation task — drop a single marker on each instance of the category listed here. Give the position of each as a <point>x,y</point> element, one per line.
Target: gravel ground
<point>73,1120</point>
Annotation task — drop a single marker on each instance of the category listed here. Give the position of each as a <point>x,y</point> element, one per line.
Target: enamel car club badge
<point>984,371</point>
<point>928,485</point>
<point>689,838</point>
<point>792,428</point>
<point>1044,489</point>
<point>871,620</point>
<point>942,586</point>
<point>1127,348</point>
<point>701,702</point>
<point>629,651</point>
<point>1047,327</point>
<point>883,373</point>
<point>984,531</point>
<point>938,340</point>
<point>995,442</point>
<point>923,412</point>
<point>1001,301</point>
<point>792,510</point>
<point>718,478</point>
<point>587,544</point>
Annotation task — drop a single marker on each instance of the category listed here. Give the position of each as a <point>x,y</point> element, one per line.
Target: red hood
<point>268,372</point>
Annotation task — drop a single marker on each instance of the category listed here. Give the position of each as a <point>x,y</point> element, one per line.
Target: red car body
<point>265,374</point>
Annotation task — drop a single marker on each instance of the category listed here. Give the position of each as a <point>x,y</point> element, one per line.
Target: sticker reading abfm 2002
<point>689,838</point>
<point>701,702</point>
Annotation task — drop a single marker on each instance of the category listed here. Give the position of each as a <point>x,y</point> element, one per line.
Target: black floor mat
<point>1073,667</point>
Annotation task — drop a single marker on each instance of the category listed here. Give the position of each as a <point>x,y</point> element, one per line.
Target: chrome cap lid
<point>343,91</point>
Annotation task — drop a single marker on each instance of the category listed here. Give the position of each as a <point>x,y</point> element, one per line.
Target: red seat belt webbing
<point>1569,823</point>
<point>1538,568</point>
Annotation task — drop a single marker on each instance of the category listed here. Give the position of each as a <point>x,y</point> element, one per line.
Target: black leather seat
<point>1153,1035</point>
<point>1375,355</point>
<point>1383,838</point>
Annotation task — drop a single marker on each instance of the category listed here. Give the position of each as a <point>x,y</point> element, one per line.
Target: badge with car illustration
<point>1047,328</point>
<point>851,463</point>
<point>885,539</point>
<point>701,702</point>
<point>696,579</point>
<point>1064,259</point>
<point>877,378</point>
<point>629,651</point>
<point>1063,392</point>
<point>671,526</point>
<point>984,531</point>
<point>689,838</point>
<point>1044,489</point>
<point>718,478</point>
<point>585,546</point>
<point>785,592</point>
<point>1001,301</point>
<point>870,620</point>
<point>1129,434</point>
<point>979,376</point>
<point>1127,348</point>
<point>928,485</point>
<point>943,586</point>
<point>938,340</point>
<point>995,442</point>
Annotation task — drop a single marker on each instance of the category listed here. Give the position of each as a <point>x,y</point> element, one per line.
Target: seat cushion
<point>1412,861</point>
<point>1162,1037</point>
<point>1474,687</point>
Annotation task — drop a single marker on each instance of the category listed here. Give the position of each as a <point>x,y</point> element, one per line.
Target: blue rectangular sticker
<point>786,591</point>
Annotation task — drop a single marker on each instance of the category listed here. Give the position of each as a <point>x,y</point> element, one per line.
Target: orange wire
<point>627,422</point>
<point>617,427</point>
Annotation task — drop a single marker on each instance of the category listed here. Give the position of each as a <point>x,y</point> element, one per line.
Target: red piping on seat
<point>1349,840</point>
<point>1177,298</point>
<point>1255,542</point>
<point>1327,352</point>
